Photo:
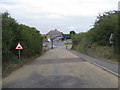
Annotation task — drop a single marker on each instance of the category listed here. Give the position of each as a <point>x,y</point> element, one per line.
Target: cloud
<point>64,7</point>
<point>65,24</point>
<point>119,5</point>
<point>61,14</point>
<point>9,2</point>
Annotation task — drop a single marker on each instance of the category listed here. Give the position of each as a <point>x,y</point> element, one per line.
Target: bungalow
<point>54,33</point>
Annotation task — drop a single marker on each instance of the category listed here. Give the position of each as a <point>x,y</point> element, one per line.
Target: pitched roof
<point>54,32</point>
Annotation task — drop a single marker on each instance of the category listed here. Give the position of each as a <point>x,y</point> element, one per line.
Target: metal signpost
<point>19,54</point>
<point>52,44</point>
<point>19,47</point>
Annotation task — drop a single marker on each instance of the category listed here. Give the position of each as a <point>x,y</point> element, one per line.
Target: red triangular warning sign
<point>19,46</point>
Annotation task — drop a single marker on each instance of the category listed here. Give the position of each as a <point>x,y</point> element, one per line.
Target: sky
<point>64,15</point>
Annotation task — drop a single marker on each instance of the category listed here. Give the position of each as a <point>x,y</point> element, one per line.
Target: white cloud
<point>119,6</point>
<point>71,27</point>
<point>65,7</point>
<point>60,14</point>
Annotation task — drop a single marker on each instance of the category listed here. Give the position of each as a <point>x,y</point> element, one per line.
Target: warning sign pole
<point>19,47</point>
<point>19,54</point>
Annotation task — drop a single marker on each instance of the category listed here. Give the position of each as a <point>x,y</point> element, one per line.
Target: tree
<point>72,32</point>
<point>12,33</point>
<point>105,24</point>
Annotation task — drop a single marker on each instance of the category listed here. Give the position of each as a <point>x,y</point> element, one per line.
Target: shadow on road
<point>36,80</point>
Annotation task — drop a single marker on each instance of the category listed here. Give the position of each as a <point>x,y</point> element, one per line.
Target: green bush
<point>12,33</point>
<point>105,25</point>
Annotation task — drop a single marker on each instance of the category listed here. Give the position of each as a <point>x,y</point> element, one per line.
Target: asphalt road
<point>107,65</point>
<point>59,68</point>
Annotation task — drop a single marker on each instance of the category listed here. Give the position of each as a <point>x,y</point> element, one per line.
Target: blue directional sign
<point>61,36</point>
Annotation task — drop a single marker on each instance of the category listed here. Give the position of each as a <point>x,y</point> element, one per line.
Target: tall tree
<point>72,32</point>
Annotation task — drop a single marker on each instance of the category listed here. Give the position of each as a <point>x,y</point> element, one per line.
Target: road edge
<point>98,65</point>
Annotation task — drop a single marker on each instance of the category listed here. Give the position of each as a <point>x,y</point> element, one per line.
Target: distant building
<point>54,33</point>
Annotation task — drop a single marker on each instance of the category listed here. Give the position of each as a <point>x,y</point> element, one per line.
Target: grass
<point>9,67</point>
<point>68,43</point>
<point>67,39</point>
<point>104,52</point>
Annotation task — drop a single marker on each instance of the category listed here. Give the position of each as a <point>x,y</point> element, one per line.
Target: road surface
<point>107,65</point>
<point>59,68</point>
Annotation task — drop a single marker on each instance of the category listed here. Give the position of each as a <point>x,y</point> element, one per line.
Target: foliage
<point>72,32</point>
<point>105,25</point>
<point>80,41</point>
<point>12,33</point>
<point>117,36</point>
<point>68,35</point>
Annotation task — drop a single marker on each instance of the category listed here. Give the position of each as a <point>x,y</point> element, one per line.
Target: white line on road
<point>105,69</point>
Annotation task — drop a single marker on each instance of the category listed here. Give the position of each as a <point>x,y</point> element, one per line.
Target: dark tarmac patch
<point>36,80</point>
<point>53,61</point>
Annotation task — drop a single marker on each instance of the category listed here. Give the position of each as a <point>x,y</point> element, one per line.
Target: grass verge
<point>9,67</point>
<point>103,52</point>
